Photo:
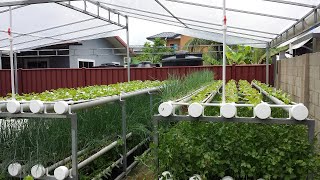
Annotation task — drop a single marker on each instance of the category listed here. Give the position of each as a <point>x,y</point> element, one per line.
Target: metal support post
<point>124,134</point>
<point>155,123</point>
<point>128,50</point>
<point>267,63</point>
<point>11,55</point>
<point>151,104</point>
<point>16,72</point>
<point>311,130</point>
<point>224,27</point>
<point>74,136</point>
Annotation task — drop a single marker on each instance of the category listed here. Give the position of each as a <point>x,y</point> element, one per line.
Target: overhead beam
<point>178,25</point>
<point>235,10</point>
<point>292,3</point>
<point>28,2</point>
<point>191,20</point>
<point>196,25</point>
<point>71,39</point>
<point>166,9</point>
<point>50,28</point>
<point>308,22</point>
<point>97,15</point>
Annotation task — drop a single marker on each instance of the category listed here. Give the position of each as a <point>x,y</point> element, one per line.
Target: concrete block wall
<point>300,77</point>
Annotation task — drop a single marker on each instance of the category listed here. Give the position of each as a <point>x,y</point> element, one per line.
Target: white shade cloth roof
<point>254,22</point>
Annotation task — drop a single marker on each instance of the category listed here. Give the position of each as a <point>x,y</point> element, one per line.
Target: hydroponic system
<point>205,129</point>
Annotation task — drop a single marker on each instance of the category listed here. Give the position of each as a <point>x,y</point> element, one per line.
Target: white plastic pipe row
<point>196,109</point>
<point>167,108</point>
<point>63,107</point>
<point>38,170</point>
<point>297,111</point>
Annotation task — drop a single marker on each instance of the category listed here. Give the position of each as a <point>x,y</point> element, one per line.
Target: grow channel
<point>246,102</point>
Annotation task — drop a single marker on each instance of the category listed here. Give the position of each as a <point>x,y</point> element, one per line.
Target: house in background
<point>174,40</point>
<point>86,53</point>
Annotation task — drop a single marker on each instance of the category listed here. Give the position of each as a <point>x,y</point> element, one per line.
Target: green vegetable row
<point>249,94</point>
<point>207,91</point>
<point>273,92</point>
<point>89,92</point>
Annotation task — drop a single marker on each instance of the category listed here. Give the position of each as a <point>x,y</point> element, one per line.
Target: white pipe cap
<point>165,109</point>
<point>61,107</point>
<point>227,178</point>
<point>166,175</point>
<point>228,110</point>
<point>14,169</point>
<point>262,111</point>
<point>13,106</point>
<point>61,173</point>
<point>195,110</point>
<point>299,112</point>
<point>38,171</point>
<point>36,106</point>
<point>195,177</point>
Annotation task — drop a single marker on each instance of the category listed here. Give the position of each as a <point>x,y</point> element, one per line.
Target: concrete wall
<point>300,77</point>
<point>85,51</point>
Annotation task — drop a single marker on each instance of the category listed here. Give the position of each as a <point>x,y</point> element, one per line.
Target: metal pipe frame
<point>140,16</point>
<point>296,32</point>
<point>29,2</point>
<point>166,9</point>
<point>291,3</point>
<point>235,10</point>
<point>97,16</point>
<point>187,19</point>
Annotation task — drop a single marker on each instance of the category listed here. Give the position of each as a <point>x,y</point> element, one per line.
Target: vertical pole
<point>151,104</point>
<point>128,50</point>
<point>156,143</point>
<point>124,134</point>
<point>16,72</point>
<point>267,63</point>
<point>74,141</point>
<point>11,55</point>
<point>224,27</point>
<point>311,130</point>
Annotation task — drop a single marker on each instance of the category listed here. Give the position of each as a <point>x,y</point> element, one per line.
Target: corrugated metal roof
<point>166,35</point>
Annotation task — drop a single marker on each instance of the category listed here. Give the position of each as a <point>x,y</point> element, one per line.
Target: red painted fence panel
<point>38,80</point>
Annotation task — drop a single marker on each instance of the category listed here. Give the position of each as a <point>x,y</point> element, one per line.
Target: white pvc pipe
<point>63,107</point>
<point>38,171</point>
<point>14,169</point>
<point>298,111</point>
<point>228,110</point>
<point>14,106</point>
<point>262,110</point>
<point>165,109</point>
<point>195,177</point>
<point>50,168</point>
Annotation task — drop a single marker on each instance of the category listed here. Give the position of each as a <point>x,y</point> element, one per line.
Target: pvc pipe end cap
<point>195,177</point>
<point>165,109</point>
<point>227,178</point>
<point>13,106</point>
<point>262,111</point>
<point>299,112</point>
<point>195,110</point>
<point>36,106</point>
<point>61,107</point>
<point>14,169</point>
<point>38,171</point>
<point>166,175</point>
<point>61,173</point>
<point>228,110</point>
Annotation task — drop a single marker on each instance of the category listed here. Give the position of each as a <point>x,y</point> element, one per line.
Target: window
<point>174,46</point>
<point>85,63</point>
<point>36,63</point>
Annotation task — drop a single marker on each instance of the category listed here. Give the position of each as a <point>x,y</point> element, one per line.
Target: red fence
<point>38,80</point>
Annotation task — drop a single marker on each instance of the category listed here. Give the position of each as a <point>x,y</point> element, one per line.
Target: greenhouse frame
<point>264,24</point>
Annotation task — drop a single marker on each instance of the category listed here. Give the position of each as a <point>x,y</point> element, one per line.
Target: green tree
<point>153,51</point>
